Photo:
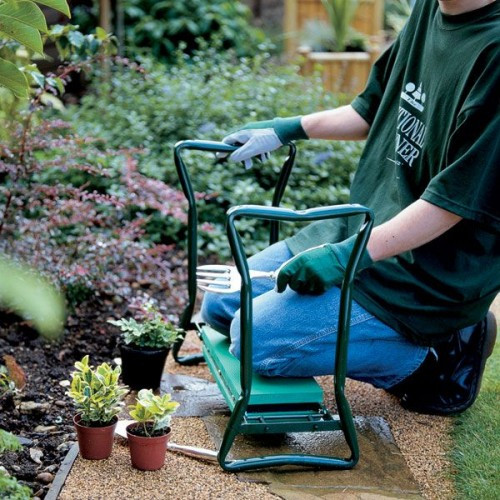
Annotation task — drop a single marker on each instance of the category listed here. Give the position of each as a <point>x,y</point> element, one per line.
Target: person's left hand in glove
<point>317,269</point>
<point>258,139</point>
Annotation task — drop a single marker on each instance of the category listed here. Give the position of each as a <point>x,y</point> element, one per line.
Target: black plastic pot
<point>142,367</point>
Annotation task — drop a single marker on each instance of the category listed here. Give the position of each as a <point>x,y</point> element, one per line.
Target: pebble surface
<point>181,477</point>
<point>423,440</point>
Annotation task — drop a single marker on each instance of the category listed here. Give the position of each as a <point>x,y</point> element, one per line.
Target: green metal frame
<point>246,419</point>
<point>192,235</point>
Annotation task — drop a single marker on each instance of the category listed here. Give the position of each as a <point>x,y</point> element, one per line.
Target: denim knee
<point>259,335</point>
<point>216,312</point>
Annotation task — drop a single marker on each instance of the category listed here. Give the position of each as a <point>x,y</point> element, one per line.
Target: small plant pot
<point>147,453</point>
<point>95,443</point>
<point>142,368</point>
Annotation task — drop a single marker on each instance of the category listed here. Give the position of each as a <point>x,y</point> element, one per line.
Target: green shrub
<point>319,36</point>
<point>340,13</point>
<point>162,27</point>
<point>152,412</point>
<point>11,489</point>
<point>96,392</point>
<point>206,97</point>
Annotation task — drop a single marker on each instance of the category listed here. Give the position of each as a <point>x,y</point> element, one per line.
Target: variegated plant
<point>153,412</point>
<point>97,395</point>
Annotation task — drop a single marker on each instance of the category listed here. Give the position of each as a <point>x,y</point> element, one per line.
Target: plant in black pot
<point>144,347</point>
<point>98,398</point>
<point>148,437</point>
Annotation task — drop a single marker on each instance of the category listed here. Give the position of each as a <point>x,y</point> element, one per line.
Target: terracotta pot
<point>147,453</point>
<point>95,443</point>
<point>142,368</point>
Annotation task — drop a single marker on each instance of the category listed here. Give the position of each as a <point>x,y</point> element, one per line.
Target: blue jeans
<point>295,335</point>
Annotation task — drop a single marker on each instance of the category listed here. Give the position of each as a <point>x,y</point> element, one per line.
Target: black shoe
<point>449,379</point>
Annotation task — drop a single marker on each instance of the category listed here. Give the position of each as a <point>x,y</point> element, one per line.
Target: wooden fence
<point>368,18</point>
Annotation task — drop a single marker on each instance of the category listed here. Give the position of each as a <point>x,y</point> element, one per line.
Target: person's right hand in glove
<point>317,269</point>
<point>260,138</point>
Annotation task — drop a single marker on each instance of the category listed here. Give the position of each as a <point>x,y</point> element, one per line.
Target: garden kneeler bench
<point>265,405</point>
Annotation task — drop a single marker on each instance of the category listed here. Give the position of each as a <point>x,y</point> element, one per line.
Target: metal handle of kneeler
<point>340,362</point>
<point>192,247</point>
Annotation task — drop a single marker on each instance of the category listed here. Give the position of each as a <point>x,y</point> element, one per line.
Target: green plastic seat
<point>265,390</point>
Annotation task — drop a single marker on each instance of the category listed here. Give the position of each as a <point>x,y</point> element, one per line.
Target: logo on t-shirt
<point>410,129</point>
<point>415,98</point>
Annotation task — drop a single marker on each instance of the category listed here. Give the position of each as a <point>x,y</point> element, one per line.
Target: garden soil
<point>41,413</point>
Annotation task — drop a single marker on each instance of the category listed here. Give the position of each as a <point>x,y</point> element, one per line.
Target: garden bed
<point>41,413</point>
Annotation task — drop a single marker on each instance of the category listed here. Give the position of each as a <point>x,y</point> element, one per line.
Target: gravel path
<point>181,477</point>
<point>423,440</point>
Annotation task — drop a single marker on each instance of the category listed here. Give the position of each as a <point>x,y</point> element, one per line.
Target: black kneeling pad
<point>449,379</point>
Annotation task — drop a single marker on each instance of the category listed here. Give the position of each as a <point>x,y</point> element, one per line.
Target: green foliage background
<point>206,97</point>
<point>161,27</point>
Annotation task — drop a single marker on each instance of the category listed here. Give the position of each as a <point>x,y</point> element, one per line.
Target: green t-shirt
<point>432,101</point>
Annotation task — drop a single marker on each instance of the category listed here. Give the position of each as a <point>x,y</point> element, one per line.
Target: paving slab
<point>197,397</point>
<point>381,472</point>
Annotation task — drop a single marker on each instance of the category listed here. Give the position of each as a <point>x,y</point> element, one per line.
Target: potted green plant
<point>144,348</point>
<point>149,435</point>
<point>340,50</point>
<point>339,40</point>
<point>98,398</point>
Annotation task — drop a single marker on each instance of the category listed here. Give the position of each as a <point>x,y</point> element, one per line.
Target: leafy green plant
<point>340,14</point>
<point>153,413</point>
<point>74,46</point>
<point>11,489</point>
<point>154,331</point>
<point>76,51</point>
<point>208,96</point>
<point>23,21</point>
<point>9,486</point>
<point>162,27</point>
<point>96,393</point>
<point>24,291</point>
